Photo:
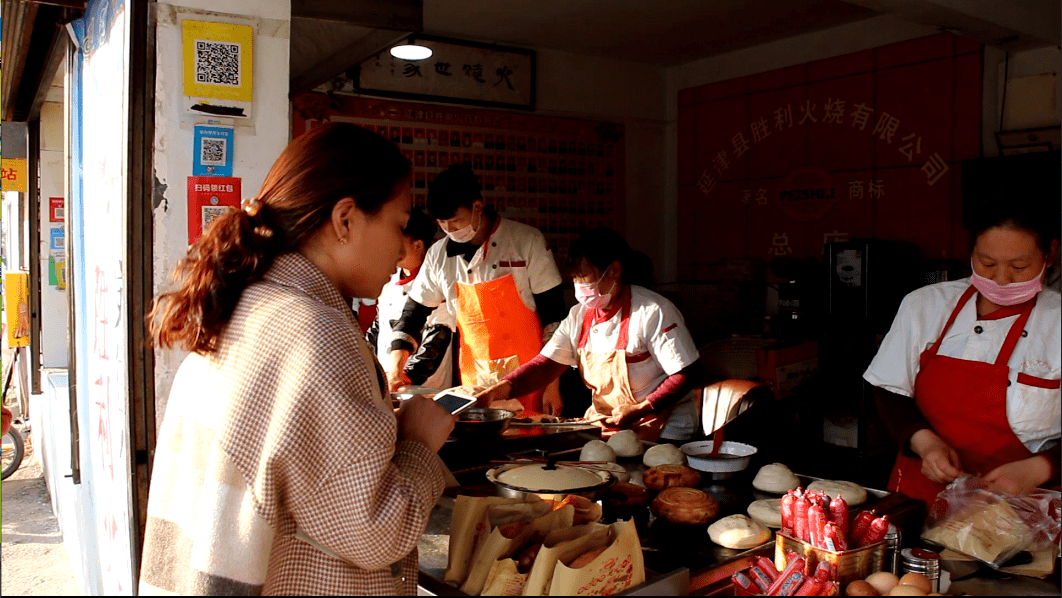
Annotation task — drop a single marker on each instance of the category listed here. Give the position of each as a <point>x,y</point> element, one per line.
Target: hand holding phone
<point>455,402</point>
<point>424,420</point>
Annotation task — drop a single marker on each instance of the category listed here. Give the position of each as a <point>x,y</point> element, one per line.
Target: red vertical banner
<point>208,198</point>
<point>56,209</point>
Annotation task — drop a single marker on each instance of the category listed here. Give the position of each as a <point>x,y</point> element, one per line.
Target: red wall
<point>922,102</point>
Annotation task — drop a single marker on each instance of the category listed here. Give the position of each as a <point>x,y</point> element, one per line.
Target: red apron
<point>965,402</point>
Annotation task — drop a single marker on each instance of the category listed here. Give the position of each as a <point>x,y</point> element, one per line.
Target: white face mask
<point>463,235</point>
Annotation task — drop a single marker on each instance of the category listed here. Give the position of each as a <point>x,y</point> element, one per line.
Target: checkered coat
<point>277,469</point>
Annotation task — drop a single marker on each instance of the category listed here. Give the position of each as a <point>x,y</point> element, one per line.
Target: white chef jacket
<point>514,248</point>
<point>1033,396</point>
<point>656,332</point>
<point>392,300</point>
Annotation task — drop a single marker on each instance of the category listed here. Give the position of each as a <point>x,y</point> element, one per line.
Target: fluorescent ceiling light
<point>409,51</point>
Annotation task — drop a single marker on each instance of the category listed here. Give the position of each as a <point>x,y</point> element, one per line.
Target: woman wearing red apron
<point>981,358</point>
<point>630,345</point>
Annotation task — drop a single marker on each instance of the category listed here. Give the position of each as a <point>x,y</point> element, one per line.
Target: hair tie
<point>251,206</point>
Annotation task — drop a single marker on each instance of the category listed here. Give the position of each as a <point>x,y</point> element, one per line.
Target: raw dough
<point>626,444</point>
<point>853,493</point>
<point>775,478</point>
<point>738,532</point>
<point>663,454</point>
<point>597,450</point>
<point>768,512</point>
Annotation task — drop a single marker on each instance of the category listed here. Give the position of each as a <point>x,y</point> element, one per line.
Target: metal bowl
<point>734,457</point>
<point>593,492</point>
<point>480,420</point>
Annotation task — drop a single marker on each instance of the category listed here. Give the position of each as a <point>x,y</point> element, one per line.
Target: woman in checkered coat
<point>280,466</point>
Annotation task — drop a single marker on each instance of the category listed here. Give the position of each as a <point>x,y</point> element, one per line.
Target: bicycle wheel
<point>12,449</point>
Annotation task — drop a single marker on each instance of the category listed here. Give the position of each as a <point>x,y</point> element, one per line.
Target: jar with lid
<point>924,561</point>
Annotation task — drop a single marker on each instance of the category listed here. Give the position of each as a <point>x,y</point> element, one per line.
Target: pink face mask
<point>1008,294</point>
<point>590,295</point>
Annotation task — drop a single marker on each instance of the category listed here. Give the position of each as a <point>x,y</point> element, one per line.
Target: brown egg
<point>860,588</point>
<point>917,580</point>
<point>883,581</point>
<point>906,590</point>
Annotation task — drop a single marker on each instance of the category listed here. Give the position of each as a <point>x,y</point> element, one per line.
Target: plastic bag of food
<point>991,527</point>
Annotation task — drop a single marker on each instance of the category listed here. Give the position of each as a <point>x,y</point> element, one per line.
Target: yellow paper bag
<point>469,528</point>
<point>562,544</point>
<point>498,546</point>
<point>619,567</point>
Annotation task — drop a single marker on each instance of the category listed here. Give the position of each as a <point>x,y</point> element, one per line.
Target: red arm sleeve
<point>674,387</point>
<point>534,375</point>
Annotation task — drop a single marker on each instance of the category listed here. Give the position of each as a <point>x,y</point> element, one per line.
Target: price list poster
<point>864,145</point>
<point>562,176</point>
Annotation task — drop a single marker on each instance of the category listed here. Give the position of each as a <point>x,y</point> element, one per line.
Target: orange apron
<point>499,333</point>
<point>965,402</point>
<point>607,377</point>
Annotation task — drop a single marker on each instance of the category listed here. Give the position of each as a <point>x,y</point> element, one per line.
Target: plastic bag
<point>969,518</point>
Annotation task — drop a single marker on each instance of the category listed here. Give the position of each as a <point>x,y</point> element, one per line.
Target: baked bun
<point>767,511</point>
<point>586,510</point>
<point>663,477</point>
<point>586,558</point>
<point>624,495</point>
<point>597,450</point>
<point>663,454</point>
<point>853,493</point>
<point>626,444</point>
<point>685,505</point>
<point>738,532</point>
<point>775,478</point>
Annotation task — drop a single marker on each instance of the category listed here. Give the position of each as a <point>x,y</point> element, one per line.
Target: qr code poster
<point>217,60</point>
<point>210,197</point>
<point>212,150</point>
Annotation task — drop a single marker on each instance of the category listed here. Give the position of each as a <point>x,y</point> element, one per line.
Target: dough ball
<point>597,450</point>
<point>626,444</point>
<point>738,532</point>
<point>768,512</point>
<point>775,478</point>
<point>853,493</point>
<point>663,454</point>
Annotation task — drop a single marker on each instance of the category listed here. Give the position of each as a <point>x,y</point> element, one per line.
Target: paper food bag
<point>497,546</point>
<point>619,567</point>
<point>469,528</point>
<point>504,579</point>
<point>562,544</point>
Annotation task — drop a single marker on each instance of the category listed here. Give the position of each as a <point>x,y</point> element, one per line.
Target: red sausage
<point>816,524</point>
<point>877,531</point>
<point>800,519</point>
<point>811,587</point>
<point>839,514</point>
<point>787,512</point>
<point>768,567</point>
<point>859,528</point>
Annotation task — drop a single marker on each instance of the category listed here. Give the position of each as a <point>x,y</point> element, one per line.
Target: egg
<point>905,590</point>
<point>917,580</point>
<point>860,588</point>
<point>883,581</point>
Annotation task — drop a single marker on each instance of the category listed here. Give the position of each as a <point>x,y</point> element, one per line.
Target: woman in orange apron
<point>986,385</point>
<point>630,345</point>
<point>498,279</point>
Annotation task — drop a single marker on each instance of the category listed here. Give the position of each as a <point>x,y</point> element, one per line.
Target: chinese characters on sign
<point>209,197</point>
<point>464,72</point>
<point>885,127</point>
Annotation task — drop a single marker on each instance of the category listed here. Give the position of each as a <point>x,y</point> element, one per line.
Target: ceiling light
<point>410,51</point>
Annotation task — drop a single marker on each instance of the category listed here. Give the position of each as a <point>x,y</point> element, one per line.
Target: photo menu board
<point>562,176</point>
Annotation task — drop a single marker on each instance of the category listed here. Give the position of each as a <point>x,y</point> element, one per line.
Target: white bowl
<point>695,453</point>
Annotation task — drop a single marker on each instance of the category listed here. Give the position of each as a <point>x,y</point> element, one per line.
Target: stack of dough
<point>852,493</point>
<point>626,444</point>
<point>663,454</point>
<point>775,478</point>
<point>738,532</point>
<point>768,512</point>
<point>597,450</point>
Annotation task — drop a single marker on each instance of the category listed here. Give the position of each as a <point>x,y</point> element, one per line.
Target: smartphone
<point>454,402</point>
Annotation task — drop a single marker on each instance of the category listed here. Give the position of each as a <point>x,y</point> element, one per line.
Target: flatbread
<point>853,493</point>
<point>767,511</point>
<point>775,478</point>
<point>738,532</point>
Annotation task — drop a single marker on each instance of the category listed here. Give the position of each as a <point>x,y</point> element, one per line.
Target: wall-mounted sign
<point>13,175</point>
<point>807,194</point>
<point>56,209</point>
<point>16,304</point>
<point>218,65</point>
<point>458,71</point>
<point>209,197</point>
<point>212,150</point>
<point>57,256</point>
